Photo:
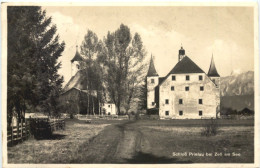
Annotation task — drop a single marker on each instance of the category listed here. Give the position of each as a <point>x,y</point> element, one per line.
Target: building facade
<point>186,92</point>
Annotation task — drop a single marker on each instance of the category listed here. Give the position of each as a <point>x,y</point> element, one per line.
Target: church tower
<point>75,62</point>
<point>152,80</point>
<point>213,73</point>
<point>181,54</point>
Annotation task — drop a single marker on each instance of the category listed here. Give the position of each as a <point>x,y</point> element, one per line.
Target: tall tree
<point>33,51</point>
<point>142,95</point>
<point>122,57</point>
<point>89,49</point>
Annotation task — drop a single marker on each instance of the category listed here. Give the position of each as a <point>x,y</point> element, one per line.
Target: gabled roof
<point>77,56</point>
<point>186,65</point>
<point>151,70</point>
<point>212,69</point>
<point>75,82</point>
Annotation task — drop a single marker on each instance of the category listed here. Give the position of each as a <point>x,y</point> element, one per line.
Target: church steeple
<point>212,69</point>
<point>75,62</point>
<point>152,71</point>
<point>77,56</point>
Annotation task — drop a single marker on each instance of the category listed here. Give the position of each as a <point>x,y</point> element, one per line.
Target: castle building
<point>186,92</point>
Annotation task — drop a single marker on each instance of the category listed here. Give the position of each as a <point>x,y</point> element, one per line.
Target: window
<point>180,101</point>
<point>187,88</point>
<point>108,105</point>
<point>173,78</point>
<point>187,77</point>
<point>166,101</point>
<point>213,80</point>
<point>180,113</point>
<point>200,101</point>
<point>200,113</point>
<point>153,103</point>
<point>167,113</point>
<point>152,80</point>
<point>200,77</point>
<point>201,88</point>
<point>172,88</point>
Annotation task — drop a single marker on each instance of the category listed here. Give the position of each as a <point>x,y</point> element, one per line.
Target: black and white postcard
<point>130,84</point>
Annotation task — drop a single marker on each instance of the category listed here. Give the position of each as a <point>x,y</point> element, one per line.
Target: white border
<point>116,3</point>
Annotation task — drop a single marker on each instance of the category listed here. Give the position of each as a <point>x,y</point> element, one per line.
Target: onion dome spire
<point>77,56</point>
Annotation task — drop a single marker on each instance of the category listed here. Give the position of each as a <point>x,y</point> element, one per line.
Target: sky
<point>227,33</point>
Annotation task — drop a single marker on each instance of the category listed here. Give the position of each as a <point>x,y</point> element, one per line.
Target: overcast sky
<point>225,32</point>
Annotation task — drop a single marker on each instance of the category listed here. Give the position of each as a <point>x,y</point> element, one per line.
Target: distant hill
<point>237,91</point>
<point>237,84</point>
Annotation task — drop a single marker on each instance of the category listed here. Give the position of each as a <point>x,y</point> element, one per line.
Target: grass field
<point>142,141</point>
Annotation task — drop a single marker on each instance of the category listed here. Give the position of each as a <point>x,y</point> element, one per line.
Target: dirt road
<point>121,143</point>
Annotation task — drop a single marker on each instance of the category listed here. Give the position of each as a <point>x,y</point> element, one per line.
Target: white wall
<point>110,108</point>
<point>190,106</point>
<point>151,91</point>
<point>74,68</point>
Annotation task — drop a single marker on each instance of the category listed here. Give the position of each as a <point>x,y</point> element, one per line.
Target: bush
<point>210,128</point>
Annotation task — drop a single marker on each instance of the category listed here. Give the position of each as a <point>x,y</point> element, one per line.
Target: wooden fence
<point>18,133</point>
<point>57,124</point>
<point>44,127</point>
<point>23,130</point>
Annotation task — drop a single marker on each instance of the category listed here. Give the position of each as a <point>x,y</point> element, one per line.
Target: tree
<point>122,58</point>
<point>90,49</point>
<point>142,103</point>
<point>33,51</point>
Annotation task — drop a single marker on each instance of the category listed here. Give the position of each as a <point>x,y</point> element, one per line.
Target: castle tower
<point>215,77</point>
<point>75,62</point>
<point>152,81</point>
<point>213,73</point>
<point>181,54</point>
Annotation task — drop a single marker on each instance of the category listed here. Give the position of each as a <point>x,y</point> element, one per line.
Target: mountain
<point>237,91</point>
<point>237,84</point>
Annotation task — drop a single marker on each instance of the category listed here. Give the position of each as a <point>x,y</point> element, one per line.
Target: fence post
<point>17,132</point>
<point>12,134</point>
<point>22,129</point>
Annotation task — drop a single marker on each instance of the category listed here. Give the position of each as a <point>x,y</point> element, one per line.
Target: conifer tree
<point>32,64</point>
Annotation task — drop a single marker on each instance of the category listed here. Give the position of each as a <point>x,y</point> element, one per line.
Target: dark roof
<point>77,57</point>
<point>212,69</point>
<point>161,79</point>
<point>76,81</point>
<point>186,65</point>
<point>151,70</point>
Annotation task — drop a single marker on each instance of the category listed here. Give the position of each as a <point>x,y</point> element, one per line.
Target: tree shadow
<point>146,158</point>
<point>51,137</point>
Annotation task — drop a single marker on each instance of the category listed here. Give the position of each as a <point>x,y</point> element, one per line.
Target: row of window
<point>181,113</point>
<point>187,78</point>
<point>181,101</point>
<point>187,88</point>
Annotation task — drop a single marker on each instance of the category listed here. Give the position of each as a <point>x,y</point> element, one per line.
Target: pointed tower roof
<point>212,69</point>
<point>152,71</point>
<point>77,56</point>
